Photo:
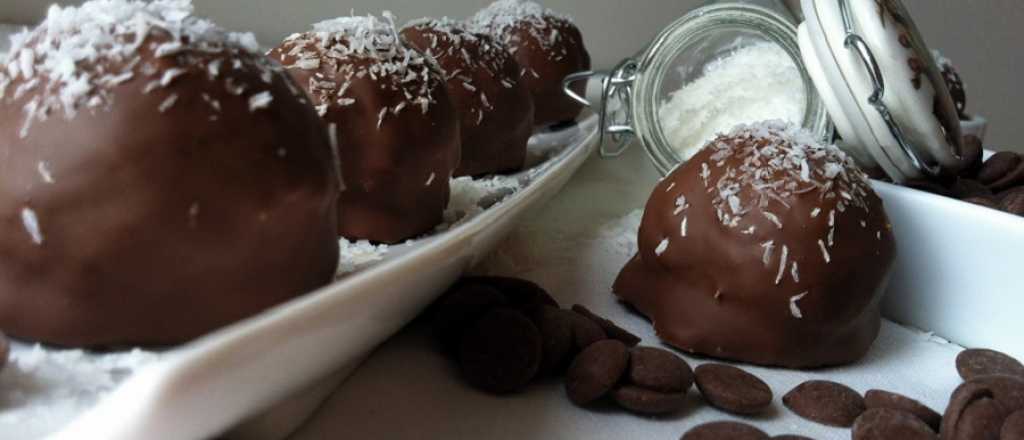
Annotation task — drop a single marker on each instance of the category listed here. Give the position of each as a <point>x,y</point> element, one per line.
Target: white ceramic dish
<point>207,386</point>
<point>957,271</point>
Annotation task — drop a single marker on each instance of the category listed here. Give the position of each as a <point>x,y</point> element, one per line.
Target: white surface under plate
<point>576,246</point>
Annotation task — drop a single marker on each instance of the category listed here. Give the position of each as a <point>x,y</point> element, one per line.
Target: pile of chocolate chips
<point>506,332</point>
<point>996,183</point>
<point>989,405</point>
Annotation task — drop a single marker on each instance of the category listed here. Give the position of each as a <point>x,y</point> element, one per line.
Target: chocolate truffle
<point>766,247</point>
<point>396,129</point>
<point>548,47</point>
<point>161,178</point>
<point>495,107</point>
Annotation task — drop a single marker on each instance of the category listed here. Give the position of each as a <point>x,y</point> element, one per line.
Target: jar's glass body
<point>681,54</point>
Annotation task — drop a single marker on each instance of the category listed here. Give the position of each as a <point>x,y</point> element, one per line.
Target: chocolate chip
<point>501,352</point>
<point>1013,178</point>
<point>1012,201</point>
<point>555,327</point>
<point>610,328</point>
<point>972,156</point>
<point>725,431</point>
<point>460,307</point>
<point>731,389</point>
<point>584,331</point>
<point>988,202</point>
<point>645,401</point>
<point>981,419</point>
<point>874,399</point>
<point>659,370</point>
<point>966,188</point>
<point>596,370</point>
<point>889,424</point>
<point>520,293</point>
<point>1008,390</point>
<point>964,395</point>
<point>825,402</point>
<point>1013,427</point>
<point>977,362</point>
<point>998,166</point>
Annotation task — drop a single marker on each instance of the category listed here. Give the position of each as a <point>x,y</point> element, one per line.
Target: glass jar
<point>640,86</point>
<point>888,126</point>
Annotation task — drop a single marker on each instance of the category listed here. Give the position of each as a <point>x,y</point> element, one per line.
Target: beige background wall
<point>983,37</point>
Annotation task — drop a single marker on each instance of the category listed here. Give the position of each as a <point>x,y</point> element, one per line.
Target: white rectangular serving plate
<point>204,387</point>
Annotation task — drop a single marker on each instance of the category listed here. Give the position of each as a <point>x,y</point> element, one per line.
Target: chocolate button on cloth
<point>885,399</point>
<point>596,370</point>
<point>890,424</point>
<point>724,431</point>
<point>976,362</point>
<point>731,389</point>
<point>610,328</point>
<point>501,352</point>
<point>825,402</point>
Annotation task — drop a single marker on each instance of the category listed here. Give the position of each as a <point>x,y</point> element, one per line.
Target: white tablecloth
<point>575,248</point>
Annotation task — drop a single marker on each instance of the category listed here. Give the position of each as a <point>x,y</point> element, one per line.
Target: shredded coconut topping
<point>344,50</point>
<point>506,19</point>
<point>662,247</point>
<point>765,168</point>
<point>76,57</point>
<point>450,43</point>
<point>793,308</point>
<point>31,223</point>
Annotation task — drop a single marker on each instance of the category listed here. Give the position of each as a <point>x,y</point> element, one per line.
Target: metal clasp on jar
<point>613,102</point>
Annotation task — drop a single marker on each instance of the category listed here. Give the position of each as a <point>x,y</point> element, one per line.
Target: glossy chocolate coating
<point>168,209</point>
<point>548,46</point>
<point>495,107</point>
<point>718,291</point>
<point>397,130</point>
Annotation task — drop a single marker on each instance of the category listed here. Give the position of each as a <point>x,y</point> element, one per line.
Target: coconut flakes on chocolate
<point>75,58</point>
<point>333,44</point>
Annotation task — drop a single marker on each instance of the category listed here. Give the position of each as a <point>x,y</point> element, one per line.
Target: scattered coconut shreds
<point>451,42</point>
<point>31,223</point>
<point>794,309</point>
<point>78,54</point>
<point>765,167</point>
<point>45,388</point>
<point>503,18</point>
<point>358,255</point>
<point>662,247</point>
<point>260,101</point>
<point>339,46</point>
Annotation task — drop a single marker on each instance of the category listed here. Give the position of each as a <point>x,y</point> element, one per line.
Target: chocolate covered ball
<point>494,105</point>
<point>161,178</point>
<point>548,47</point>
<point>766,247</point>
<point>388,109</point>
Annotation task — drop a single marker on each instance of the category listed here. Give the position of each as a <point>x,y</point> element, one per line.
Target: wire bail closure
<point>856,43</point>
<point>614,106</point>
